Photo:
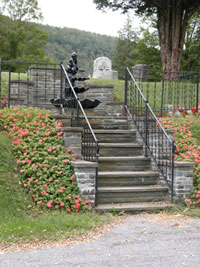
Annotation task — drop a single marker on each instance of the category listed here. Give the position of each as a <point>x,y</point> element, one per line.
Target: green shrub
<point>43,164</point>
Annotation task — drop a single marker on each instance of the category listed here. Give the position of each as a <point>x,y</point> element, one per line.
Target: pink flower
<point>30,179</point>
<point>41,165</point>
<point>46,116</point>
<point>59,133</point>
<point>50,180</point>
<point>20,182</point>
<point>39,202</point>
<point>23,161</point>
<point>68,150</point>
<point>69,197</point>
<point>43,192</point>
<point>87,201</point>
<point>36,180</point>
<point>38,131</point>
<point>22,171</point>
<point>59,172</point>
<point>73,159</point>
<point>48,133</point>
<point>62,204</point>
<point>49,203</point>
<point>60,190</point>
<point>57,181</point>
<point>49,149</point>
<point>73,176</point>
<point>40,141</point>
<point>65,161</point>
<point>25,185</point>
<point>68,210</point>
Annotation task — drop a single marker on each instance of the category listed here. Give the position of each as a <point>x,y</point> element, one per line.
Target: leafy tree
<point>191,51</point>
<point>125,48</point>
<point>20,39</point>
<point>172,17</point>
<point>148,51</point>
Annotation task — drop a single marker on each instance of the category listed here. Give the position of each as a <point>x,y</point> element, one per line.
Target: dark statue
<point>68,99</point>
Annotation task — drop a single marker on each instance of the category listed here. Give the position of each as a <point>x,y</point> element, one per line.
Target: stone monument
<point>140,72</point>
<point>103,69</point>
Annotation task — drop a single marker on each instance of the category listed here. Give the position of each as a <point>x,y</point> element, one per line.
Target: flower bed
<point>43,165</point>
<point>187,141</point>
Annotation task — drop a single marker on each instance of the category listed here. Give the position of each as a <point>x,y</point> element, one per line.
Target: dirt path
<point>140,240</point>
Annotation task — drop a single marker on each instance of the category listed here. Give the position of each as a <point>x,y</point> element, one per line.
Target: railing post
<point>146,128</point>
<point>9,70</point>
<point>77,114</point>
<point>197,100</point>
<point>61,89</point>
<point>125,92</point>
<point>172,172</point>
<point>162,96</point>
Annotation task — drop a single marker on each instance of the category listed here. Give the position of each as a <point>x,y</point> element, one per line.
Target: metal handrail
<point>147,109</point>
<point>80,108</point>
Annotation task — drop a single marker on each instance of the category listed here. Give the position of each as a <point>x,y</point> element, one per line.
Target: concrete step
<point>132,194</point>
<point>121,149</point>
<point>134,207</point>
<point>137,178</point>
<point>139,163</point>
<point>108,122</point>
<point>111,136</point>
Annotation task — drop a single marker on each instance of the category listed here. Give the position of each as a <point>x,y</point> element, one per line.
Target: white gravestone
<point>103,69</point>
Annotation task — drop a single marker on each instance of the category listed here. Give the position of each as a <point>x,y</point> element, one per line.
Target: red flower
<point>43,192</point>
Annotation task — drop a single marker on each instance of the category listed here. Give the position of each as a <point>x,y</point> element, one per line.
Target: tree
<point>20,39</point>
<point>125,48</point>
<point>191,50</point>
<point>148,51</point>
<point>172,17</point>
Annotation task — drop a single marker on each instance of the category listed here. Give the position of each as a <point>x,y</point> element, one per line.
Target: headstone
<point>103,69</point>
<point>140,72</point>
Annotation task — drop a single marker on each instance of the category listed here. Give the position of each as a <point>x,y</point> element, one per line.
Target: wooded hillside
<point>63,41</point>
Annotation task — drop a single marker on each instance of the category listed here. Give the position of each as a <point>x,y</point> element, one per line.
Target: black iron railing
<point>28,83</point>
<point>90,144</point>
<point>167,91</point>
<point>157,142</point>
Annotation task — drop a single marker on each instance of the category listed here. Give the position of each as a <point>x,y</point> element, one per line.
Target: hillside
<point>63,41</point>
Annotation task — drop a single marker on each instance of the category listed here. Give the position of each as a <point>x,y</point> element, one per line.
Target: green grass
<point>19,222</point>
<point>183,210</point>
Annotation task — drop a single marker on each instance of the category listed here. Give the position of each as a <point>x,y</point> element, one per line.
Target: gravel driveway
<point>141,240</point>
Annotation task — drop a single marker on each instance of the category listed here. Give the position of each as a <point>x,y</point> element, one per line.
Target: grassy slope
<point>20,223</point>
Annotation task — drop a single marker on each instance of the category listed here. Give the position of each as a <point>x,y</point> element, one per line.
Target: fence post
<point>61,88</point>
<point>126,92</point>
<point>197,100</point>
<point>9,79</point>
<point>162,96</point>
<point>172,171</point>
<point>146,127</point>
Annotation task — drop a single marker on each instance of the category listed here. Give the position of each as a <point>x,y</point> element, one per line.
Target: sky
<point>82,15</point>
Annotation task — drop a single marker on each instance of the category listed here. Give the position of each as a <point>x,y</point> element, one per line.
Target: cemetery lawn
<point>20,223</point>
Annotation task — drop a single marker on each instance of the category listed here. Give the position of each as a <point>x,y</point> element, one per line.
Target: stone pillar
<point>140,72</point>
<point>183,180</point>
<point>85,172</point>
<point>73,139</point>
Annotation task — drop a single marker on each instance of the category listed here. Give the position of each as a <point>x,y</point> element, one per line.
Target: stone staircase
<point>126,181</point>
